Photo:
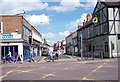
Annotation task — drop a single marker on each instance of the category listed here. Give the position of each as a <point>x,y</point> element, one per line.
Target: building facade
<point>15,32</point>
<point>74,43</point>
<point>100,39</point>
<point>61,46</point>
<point>71,44</point>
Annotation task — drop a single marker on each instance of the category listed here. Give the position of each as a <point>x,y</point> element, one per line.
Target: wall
<point>11,23</point>
<point>36,36</point>
<point>114,27</point>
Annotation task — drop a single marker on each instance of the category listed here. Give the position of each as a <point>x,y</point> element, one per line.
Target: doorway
<point>5,50</point>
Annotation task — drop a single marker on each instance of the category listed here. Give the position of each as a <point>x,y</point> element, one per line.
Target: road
<point>106,69</point>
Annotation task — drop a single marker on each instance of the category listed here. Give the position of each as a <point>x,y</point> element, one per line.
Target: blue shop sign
<point>6,36</point>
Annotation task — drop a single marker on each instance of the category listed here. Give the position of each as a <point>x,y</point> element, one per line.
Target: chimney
<point>79,26</point>
<point>88,17</point>
<point>83,22</point>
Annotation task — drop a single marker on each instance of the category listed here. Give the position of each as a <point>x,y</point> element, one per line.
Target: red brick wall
<point>11,23</point>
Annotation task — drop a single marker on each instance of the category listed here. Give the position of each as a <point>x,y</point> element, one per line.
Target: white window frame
<point>1,27</point>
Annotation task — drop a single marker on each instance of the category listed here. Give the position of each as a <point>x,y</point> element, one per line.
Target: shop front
<point>12,43</point>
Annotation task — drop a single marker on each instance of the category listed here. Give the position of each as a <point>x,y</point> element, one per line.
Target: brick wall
<point>11,23</point>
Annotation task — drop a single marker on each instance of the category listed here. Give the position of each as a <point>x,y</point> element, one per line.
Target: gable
<point>99,6</point>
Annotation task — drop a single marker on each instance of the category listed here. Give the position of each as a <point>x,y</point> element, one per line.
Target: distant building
<point>71,44</point>
<point>60,45</point>
<point>15,32</point>
<point>100,38</point>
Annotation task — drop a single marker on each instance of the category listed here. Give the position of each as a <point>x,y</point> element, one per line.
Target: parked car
<point>45,52</point>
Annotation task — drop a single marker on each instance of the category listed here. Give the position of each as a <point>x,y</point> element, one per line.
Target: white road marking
<point>93,71</point>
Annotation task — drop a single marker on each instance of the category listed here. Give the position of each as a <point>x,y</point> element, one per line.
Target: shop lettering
<point>7,36</point>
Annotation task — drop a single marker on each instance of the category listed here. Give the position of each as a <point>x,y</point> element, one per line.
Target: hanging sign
<point>95,19</point>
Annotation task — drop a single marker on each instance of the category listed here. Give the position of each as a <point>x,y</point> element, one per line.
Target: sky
<point>54,19</point>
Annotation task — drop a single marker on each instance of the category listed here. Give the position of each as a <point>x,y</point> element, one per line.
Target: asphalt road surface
<point>106,69</point>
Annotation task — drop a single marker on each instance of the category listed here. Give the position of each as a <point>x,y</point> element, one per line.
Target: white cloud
<point>11,7</point>
<point>66,5</point>
<point>70,5</point>
<point>73,24</point>
<point>52,37</point>
<point>89,4</point>
<point>38,20</point>
<point>64,34</point>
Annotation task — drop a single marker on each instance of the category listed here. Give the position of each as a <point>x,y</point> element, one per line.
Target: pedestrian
<point>15,57</point>
<point>52,55</point>
<point>56,54</point>
<point>31,56</point>
<point>9,57</point>
<point>59,53</point>
<point>20,56</point>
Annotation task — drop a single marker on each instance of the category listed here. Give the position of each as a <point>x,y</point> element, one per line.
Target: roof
<point>112,4</point>
<point>109,4</point>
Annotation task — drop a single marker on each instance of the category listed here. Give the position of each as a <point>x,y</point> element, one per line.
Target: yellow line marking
<point>66,68</point>
<point>22,71</point>
<point>85,78</point>
<point>93,71</point>
<point>8,73</point>
<point>48,75</point>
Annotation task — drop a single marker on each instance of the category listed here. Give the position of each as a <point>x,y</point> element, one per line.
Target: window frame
<point>1,27</point>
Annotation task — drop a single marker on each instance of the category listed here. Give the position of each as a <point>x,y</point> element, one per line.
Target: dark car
<point>45,52</point>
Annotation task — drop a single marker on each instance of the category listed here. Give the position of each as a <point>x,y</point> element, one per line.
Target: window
<point>1,27</point>
<point>26,31</point>
<point>106,46</point>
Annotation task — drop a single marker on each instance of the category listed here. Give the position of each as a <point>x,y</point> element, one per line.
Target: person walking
<point>15,57</point>
<point>59,53</point>
<point>21,58</point>
<point>31,55</point>
<point>52,55</point>
<point>9,57</point>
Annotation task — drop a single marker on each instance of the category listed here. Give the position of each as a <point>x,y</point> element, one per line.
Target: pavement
<point>62,58</point>
<point>41,59</point>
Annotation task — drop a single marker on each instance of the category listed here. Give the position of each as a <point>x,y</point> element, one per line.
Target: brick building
<point>15,32</point>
